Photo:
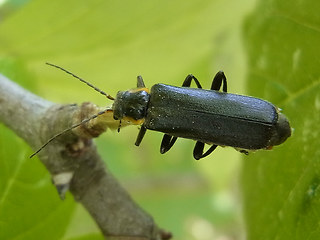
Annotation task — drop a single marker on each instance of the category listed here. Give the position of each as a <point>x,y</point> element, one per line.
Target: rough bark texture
<point>36,120</point>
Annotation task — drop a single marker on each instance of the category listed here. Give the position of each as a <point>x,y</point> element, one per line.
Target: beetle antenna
<point>84,81</point>
<point>68,129</point>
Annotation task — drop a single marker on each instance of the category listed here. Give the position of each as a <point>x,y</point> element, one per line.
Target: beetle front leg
<point>217,81</point>
<point>198,150</point>
<point>142,132</point>
<point>140,136</point>
<point>140,82</point>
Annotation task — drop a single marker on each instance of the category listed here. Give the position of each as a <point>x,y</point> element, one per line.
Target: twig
<point>73,162</point>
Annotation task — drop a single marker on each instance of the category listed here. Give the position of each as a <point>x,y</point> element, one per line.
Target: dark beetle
<point>207,116</point>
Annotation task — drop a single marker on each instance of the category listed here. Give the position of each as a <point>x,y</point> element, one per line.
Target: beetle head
<point>131,104</point>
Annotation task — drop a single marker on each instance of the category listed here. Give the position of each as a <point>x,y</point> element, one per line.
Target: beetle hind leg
<point>198,150</point>
<point>167,143</point>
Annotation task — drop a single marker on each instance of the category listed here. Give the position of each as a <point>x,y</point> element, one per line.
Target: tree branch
<point>73,161</point>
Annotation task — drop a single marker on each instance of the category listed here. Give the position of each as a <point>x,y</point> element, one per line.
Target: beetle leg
<point>189,78</point>
<point>217,81</point>
<point>119,126</point>
<point>140,135</point>
<point>140,82</point>
<point>167,143</point>
<point>198,150</point>
<point>167,140</point>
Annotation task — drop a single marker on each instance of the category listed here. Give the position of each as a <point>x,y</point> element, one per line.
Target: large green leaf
<point>281,188</point>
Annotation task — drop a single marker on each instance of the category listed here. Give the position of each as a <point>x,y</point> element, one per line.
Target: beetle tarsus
<point>167,143</point>
<point>244,152</point>
<point>198,150</point>
<point>217,81</point>
<point>189,78</point>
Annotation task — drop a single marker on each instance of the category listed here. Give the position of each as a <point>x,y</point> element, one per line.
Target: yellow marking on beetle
<point>133,121</point>
<point>139,90</point>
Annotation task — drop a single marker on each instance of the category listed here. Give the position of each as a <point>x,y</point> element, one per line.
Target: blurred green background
<point>268,49</point>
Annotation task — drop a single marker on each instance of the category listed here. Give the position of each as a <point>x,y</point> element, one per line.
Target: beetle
<point>211,117</point>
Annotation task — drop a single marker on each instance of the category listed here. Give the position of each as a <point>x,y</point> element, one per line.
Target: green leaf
<point>29,205</point>
<point>281,188</point>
